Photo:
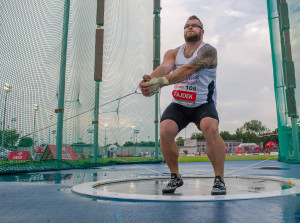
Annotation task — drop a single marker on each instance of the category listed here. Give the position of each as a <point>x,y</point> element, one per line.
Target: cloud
<point>235,13</point>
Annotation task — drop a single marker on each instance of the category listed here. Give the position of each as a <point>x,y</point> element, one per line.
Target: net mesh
<point>287,96</point>
<point>30,45</point>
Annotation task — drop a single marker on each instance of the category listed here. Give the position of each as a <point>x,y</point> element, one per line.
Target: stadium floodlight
<point>50,118</point>
<point>35,108</point>
<point>7,89</point>
<point>105,126</point>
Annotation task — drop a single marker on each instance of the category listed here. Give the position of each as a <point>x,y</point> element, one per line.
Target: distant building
<point>198,147</point>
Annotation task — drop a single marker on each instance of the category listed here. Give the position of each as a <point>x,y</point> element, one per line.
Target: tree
<point>10,137</point>
<point>255,126</point>
<point>146,144</point>
<point>251,131</point>
<point>239,134</point>
<point>198,136</point>
<point>128,143</point>
<point>226,135</point>
<point>116,144</point>
<point>138,144</point>
<point>180,141</point>
<point>25,142</point>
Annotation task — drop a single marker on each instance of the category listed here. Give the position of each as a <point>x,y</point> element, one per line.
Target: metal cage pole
<point>61,96</point>
<point>98,70</point>
<point>156,63</point>
<point>288,74</point>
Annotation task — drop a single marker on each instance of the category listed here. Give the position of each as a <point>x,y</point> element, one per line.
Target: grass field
<point>139,159</point>
<point>32,166</point>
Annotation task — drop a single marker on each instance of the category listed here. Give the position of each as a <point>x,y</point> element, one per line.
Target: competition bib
<point>185,93</point>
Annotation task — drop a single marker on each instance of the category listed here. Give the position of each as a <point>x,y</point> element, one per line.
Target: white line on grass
<point>142,167</point>
<point>247,166</point>
<point>148,169</point>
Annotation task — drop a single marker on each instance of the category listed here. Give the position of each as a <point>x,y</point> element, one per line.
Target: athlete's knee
<point>209,126</point>
<point>168,129</point>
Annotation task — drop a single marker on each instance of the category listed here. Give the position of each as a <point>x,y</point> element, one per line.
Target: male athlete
<point>192,69</point>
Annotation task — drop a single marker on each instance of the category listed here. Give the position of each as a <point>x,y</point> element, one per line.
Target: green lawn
<point>183,159</point>
<point>118,160</point>
<point>31,166</point>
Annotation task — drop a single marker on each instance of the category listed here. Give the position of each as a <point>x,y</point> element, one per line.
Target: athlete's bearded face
<point>193,31</point>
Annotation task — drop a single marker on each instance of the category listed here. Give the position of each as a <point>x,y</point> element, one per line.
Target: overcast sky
<point>240,33</point>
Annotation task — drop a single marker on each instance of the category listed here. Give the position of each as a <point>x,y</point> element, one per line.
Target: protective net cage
<point>284,23</point>
<point>33,53</point>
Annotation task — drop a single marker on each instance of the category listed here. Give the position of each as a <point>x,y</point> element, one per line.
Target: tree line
<point>11,137</point>
<point>250,132</point>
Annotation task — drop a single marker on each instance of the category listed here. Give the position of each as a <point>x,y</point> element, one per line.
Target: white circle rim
<point>89,189</point>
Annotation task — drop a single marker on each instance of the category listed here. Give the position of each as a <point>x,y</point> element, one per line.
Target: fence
<point>48,92</point>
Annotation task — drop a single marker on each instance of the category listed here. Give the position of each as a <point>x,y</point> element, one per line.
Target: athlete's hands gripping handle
<point>152,85</point>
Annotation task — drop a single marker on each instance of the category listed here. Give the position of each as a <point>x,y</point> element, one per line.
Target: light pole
<point>7,89</point>
<point>50,118</point>
<point>53,132</point>
<point>90,131</point>
<point>35,107</point>
<point>133,128</point>
<point>14,126</point>
<point>105,126</point>
<point>195,129</point>
<point>136,131</point>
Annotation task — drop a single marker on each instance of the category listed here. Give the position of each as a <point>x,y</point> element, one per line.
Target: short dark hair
<point>195,17</point>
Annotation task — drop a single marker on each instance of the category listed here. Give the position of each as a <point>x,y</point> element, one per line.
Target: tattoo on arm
<point>206,58</point>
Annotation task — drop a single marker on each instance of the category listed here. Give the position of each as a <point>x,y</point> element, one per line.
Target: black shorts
<point>184,115</point>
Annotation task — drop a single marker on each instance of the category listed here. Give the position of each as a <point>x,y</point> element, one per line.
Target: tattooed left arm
<point>205,59</point>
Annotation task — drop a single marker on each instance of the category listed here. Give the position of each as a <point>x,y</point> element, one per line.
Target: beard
<point>192,37</point>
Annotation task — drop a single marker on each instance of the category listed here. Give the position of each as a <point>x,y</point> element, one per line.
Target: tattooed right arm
<point>205,59</point>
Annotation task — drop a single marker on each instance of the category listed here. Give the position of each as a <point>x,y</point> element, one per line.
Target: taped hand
<point>155,84</point>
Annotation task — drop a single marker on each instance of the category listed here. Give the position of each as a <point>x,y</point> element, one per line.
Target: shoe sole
<point>169,191</point>
<point>218,193</point>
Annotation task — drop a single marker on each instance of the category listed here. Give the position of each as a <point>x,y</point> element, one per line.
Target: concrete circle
<point>195,188</point>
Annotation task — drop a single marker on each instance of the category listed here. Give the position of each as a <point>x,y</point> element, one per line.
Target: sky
<point>240,33</point>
